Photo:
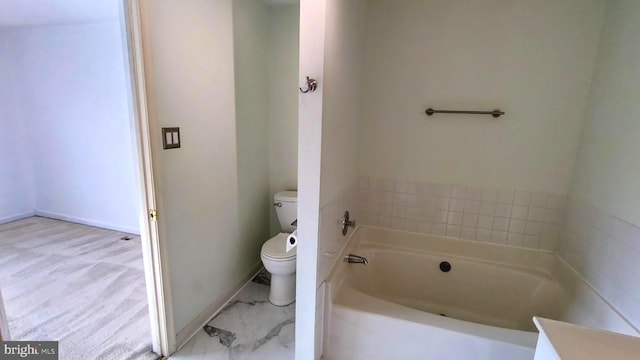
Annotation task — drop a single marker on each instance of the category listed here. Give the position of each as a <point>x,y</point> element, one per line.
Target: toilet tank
<point>286,203</point>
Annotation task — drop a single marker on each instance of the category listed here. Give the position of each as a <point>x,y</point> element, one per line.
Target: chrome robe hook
<point>312,85</point>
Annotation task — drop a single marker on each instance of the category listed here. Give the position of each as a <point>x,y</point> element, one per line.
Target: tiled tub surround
<point>503,216</point>
<point>605,250</point>
<point>331,240</point>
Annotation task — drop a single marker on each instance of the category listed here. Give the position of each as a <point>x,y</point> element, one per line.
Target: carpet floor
<point>76,284</point>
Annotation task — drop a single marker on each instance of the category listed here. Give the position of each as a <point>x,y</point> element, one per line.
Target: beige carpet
<point>76,284</point>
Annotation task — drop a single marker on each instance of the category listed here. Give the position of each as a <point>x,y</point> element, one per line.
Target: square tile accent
<point>360,195</point>
<point>506,216</point>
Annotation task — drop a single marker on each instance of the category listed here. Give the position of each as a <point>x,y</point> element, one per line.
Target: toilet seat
<point>275,249</point>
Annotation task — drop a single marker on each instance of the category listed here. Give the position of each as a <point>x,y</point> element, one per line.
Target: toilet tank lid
<point>286,196</point>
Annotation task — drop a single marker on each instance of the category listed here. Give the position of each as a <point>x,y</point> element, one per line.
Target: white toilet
<point>280,263</point>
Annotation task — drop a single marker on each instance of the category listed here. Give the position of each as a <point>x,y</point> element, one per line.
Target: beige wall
<point>282,68</point>
<point>343,57</point>
<point>532,59</point>
<point>190,84</point>
<point>250,25</point>
<point>312,39</point>
<point>607,172</point>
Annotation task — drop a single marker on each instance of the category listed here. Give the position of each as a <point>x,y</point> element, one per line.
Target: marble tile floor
<point>248,328</point>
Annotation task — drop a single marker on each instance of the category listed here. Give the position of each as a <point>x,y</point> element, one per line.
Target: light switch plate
<point>170,138</point>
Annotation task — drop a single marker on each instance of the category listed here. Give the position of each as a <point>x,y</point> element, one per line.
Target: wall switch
<point>170,138</point>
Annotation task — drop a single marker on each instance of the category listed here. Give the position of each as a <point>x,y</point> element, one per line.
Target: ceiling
<point>56,12</point>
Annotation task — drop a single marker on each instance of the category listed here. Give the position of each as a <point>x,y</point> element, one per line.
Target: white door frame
<point>4,322</point>
<point>153,246</point>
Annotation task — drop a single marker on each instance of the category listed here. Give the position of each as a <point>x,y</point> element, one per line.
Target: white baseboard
<point>15,217</point>
<point>90,222</point>
<point>183,336</point>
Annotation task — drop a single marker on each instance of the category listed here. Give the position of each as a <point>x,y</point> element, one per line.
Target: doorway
<point>77,243</point>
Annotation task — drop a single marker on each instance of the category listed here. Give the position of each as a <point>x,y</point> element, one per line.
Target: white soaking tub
<point>402,305</point>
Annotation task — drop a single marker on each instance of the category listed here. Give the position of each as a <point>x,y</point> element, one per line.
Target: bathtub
<point>430,297</point>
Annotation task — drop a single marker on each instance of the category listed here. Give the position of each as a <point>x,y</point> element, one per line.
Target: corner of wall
<point>601,239</point>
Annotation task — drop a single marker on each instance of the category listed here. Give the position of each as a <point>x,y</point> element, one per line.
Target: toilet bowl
<point>275,258</point>
<point>282,267</point>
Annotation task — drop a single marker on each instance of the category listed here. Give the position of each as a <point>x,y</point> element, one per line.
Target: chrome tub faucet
<point>355,259</point>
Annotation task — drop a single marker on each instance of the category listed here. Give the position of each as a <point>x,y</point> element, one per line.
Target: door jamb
<point>4,322</point>
<point>153,246</point>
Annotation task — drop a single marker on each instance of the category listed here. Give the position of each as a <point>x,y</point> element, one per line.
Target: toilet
<point>275,258</point>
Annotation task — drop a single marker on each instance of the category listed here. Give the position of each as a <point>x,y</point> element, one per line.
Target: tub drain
<point>445,266</point>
